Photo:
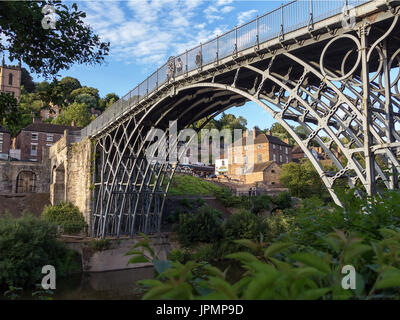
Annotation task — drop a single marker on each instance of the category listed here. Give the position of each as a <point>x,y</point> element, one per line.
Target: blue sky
<point>144,33</point>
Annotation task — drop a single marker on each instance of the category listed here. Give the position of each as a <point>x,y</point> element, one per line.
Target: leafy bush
<point>99,244</point>
<point>261,203</point>
<point>176,255</point>
<point>26,245</point>
<point>66,215</point>
<point>204,226</point>
<point>283,200</point>
<point>276,226</point>
<point>243,225</point>
<point>280,272</point>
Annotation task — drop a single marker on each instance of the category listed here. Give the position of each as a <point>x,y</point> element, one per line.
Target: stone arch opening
<point>26,182</point>
<point>58,185</point>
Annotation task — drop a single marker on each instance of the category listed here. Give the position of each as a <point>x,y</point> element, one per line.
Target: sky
<point>144,33</point>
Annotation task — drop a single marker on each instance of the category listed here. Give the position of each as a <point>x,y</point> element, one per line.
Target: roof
<point>297,149</point>
<point>2,129</point>
<point>260,167</point>
<point>49,127</point>
<point>261,137</point>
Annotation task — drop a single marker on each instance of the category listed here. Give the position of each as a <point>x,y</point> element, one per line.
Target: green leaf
<point>313,294</point>
<point>390,278</point>
<point>156,293</point>
<point>258,286</point>
<point>247,243</point>
<point>242,256</point>
<point>355,250</point>
<point>138,259</point>
<point>150,283</point>
<point>276,247</point>
<point>312,260</point>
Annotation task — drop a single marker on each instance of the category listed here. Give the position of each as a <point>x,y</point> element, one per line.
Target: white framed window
<point>49,137</point>
<point>259,157</point>
<point>287,150</point>
<point>34,136</point>
<point>34,149</point>
<point>280,147</point>
<point>235,159</point>
<point>245,148</point>
<point>259,146</point>
<point>245,159</point>
<point>274,157</point>
<point>280,158</point>
<point>1,136</point>
<point>273,146</point>
<point>49,144</point>
<point>1,146</point>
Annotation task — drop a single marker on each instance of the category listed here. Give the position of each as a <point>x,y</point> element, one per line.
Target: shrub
<point>204,226</point>
<point>261,203</point>
<point>66,215</point>
<point>26,245</point>
<point>276,226</point>
<point>99,244</point>
<point>243,225</point>
<point>283,200</point>
<point>176,255</point>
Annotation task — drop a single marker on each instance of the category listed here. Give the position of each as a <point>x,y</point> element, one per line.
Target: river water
<point>112,285</point>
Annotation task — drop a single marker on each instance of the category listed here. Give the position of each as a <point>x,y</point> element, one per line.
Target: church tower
<point>10,79</point>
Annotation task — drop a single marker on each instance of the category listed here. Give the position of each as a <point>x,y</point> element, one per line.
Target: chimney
<point>36,120</point>
<point>254,132</point>
<point>286,140</point>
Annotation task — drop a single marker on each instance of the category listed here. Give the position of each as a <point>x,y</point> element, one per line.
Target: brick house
<point>33,138</point>
<point>265,148</point>
<point>5,142</point>
<point>266,172</point>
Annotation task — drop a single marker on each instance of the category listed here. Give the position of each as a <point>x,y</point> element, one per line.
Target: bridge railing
<point>290,16</point>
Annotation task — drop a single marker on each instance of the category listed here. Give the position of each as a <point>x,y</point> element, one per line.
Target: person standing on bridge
<point>199,59</point>
<point>170,68</point>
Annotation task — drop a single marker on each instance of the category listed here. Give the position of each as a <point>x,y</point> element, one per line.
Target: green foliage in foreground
<point>66,215</point>
<point>279,271</point>
<point>305,261</point>
<point>26,245</point>
<point>185,185</point>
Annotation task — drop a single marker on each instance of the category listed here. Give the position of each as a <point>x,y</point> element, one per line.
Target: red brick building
<point>5,142</point>
<point>32,139</point>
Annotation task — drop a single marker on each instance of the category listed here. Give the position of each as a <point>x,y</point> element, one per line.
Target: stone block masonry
<point>71,173</point>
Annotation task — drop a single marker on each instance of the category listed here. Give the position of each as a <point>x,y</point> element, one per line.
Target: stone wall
<point>71,179</point>
<point>9,171</point>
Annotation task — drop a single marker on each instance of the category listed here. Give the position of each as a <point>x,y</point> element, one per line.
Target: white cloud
<point>245,16</point>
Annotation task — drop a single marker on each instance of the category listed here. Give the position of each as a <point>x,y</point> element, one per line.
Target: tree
<point>9,115</point>
<point>87,99</point>
<point>277,130</point>
<point>110,99</point>
<point>69,84</point>
<point>27,81</point>
<point>85,90</point>
<point>48,51</point>
<point>301,179</point>
<point>76,112</point>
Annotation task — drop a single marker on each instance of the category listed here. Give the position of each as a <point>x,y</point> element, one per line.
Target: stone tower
<point>10,79</point>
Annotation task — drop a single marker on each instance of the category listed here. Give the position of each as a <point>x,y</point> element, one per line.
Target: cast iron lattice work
<point>341,85</point>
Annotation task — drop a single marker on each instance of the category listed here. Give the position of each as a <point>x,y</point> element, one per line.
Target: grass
<point>185,185</point>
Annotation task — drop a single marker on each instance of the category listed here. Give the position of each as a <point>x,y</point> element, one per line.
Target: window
<point>259,157</point>
<point>273,146</point>
<point>280,147</point>
<point>1,136</point>
<point>34,136</point>
<point>245,148</point>
<point>259,146</point>
<point>49,144</point>
<point>287,150</point>
<point>274,157</point>
<point>223,162</point>
<point>34,149</point>
<point>280,158</point>
<point>235,159</point>
<point>245,159</point>
<point>49,137</point>
<point>243,170</point>
<point>272,171</point>
<point>1,146</point>
<point>10,79</point>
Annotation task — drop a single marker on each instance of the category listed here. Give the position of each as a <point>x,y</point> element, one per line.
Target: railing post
<point>187,71</point>
<point>257,35</point>
<point>311,21</point>
<point>147,87</point>
<point>217,58</point>
<point>236,42</point>
<point>157,79</point>
<point>281,37</point>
